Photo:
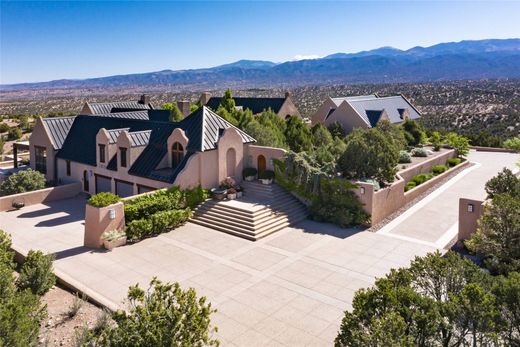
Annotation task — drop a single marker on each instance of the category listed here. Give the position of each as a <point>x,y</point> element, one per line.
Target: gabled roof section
<point>140,138</point>
<point>57,128</point>
<point>390,104</point>
<point>108,107</point>
<point>114,134</point>
<point>339,100</point>
<point>143,115</point>
<point>204,127</point>
<point>256,105</point>
<point>374,116</point>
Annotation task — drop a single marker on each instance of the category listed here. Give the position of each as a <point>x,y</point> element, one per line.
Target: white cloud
<point>304,57</point>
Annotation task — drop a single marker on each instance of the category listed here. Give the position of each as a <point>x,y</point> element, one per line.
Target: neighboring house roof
<point>57,129</point>
<point>144,115</point>
<point>338,101</point>
<point>202,127</point>
<point>256,105</point>
<point>391,105</point>
<point>119,106</point>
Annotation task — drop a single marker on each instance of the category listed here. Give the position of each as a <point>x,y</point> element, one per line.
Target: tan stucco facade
<point>347,117</point>
<point>40,138</point>
<point>470,212</point>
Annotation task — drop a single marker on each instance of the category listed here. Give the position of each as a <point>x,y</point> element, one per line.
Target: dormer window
<point>101,153</point>
<point>177,154</point>
<point>122,152</point>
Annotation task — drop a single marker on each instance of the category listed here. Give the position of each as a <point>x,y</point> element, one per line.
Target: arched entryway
<point>261,164</point>
<point>231,162</point>
<point>85,181</point>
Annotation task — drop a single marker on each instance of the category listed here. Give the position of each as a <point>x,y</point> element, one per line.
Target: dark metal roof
<point>57,128</point>
<point>256,105</point>
<point>202,127</point>
<point>120,106</point>
<point>114,134</point>
<point>130,115</point>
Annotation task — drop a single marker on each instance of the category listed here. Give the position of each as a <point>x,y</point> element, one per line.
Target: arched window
<point>177,154</point>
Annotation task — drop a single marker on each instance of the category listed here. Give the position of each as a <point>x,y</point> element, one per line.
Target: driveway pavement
<point>289,289</point>
<point>434,220</point>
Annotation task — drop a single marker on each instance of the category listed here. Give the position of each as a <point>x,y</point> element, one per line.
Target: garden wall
<point>468,220</point>
<point>40,196</point>
<point>426,166</point>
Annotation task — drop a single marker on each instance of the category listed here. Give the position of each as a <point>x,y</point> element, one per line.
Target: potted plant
<point>249,173</point>
<point>18,204</point>
<point>227,183</point>
<point>231,194</point>
<point>266,177</point>
<point>239,190</point>
<point>113,239</point>
<point>218,193</point>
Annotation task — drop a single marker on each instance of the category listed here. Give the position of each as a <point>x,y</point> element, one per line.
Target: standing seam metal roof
<point>106,107</point>
<point>58,128</point>
<point>256,105</point>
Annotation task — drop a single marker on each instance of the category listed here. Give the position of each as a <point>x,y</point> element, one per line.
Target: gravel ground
<point>397,213</point>
<point>59,328</point>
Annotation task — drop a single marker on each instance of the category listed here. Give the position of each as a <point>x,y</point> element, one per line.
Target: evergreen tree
<point>297,135</point>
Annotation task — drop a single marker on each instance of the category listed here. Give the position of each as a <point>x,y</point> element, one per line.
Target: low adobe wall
<point>492,149</point>
<point>468,220</point>
<point>426,166</point>
<point>269,154</point>
<point>99,219</point>
<point>40,196</point>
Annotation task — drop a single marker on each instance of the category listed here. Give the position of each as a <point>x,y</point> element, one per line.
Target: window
<point>470,208</point>
<point>68,167</point>
<point>40,159</point>
<point>123,156</point>
<point>101,153</point>
<point>177,154</point>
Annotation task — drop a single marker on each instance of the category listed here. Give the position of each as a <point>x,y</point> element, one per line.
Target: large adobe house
<point>283,107</point>
<point>138,151</point>
<point>364,111</point>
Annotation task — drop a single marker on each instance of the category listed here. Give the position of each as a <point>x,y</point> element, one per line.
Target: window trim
<point>177,154</point>
<point>102,152</point>
<point>123,158</point>
<point>41,164</point>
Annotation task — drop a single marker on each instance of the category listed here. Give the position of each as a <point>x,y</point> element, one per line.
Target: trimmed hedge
<point>157,223</point>
<point>454,161</point>
<point>421,178</point>
<point>438,169</point>
<point>249,171</point>
<point>409,185</point>
<point>146,205</point>
<point>103,199</point>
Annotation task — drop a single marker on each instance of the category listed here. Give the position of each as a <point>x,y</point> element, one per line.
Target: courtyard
<point>290,288</point>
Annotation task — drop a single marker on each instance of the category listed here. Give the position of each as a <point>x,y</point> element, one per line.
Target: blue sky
<point>42,41</point>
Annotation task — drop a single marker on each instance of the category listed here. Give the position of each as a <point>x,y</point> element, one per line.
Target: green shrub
<point>454,161</point>
<point>195,196</point>
<point>421,178</point>
<point>14,133</point>
<point>138,229</point>
<point>22,181</point>
<point>409,185</point>
<point>249,171</point>
<point>146,205</point>
<point>103,199</point>
<point>513,143</point>
<point>404,157</point>
<point>419,152</point>
<point>266,175</point>
<point>438,169</point>
<point>36,273</point>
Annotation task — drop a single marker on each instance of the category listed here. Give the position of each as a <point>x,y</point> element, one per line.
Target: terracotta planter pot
<point>110,245</point>
<point>249,178</point>
<point>266,181</point>
<point>232,196</point>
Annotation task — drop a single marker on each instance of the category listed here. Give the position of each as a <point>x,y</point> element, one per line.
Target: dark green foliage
<point>14,133</point>
<point>409,185</point>
<point>249,171</point>
<point>394,132</point>
<point>404,157</point>
<point>267,129</point>
<point>513,143</point>
<point>297,135</point>
<point>413,132</point>
<point>459,143</point>
<point>227,102</point>
<point>164,315</point>
<point>438,169</point>
<point>336,203</point>
<point>436,140</point>
<point>21,312</point>
<point>336,130</point>
<point>22,181</point>
<point>454,161</point>
<point>503,183</point>
<point>438,300</point>
<point>498,233</point>
<point>138,229</point>
<point>36,273</point>
<point>321,136</point>
<point>195,196</point>
<point>175,114</point>
<point>419,152</point>
<point>4,127</point>
<point>266,175</point>
<point>369,154</point>
<point>103,199</point>
<point>146,205</point>
<point>421,178</point>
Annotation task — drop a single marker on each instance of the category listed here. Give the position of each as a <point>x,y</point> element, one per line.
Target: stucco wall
<point>97,221</point>
<point>41,196</point>
<point>288,108</point>
<point>252,152</point>
<point>230,140</point>
<point>426,166</point>
<point>322,111</point>
<point>468,221</point>
<point>347,117</point>
<point>40,138</point>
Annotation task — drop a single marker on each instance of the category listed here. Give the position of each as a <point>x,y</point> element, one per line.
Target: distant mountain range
<point>480,59</point>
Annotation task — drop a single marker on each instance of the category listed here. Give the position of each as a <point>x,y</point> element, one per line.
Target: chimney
<point>204,98</point>
<point>288,94</point>
<point>184,107</point>
<point>144,99</point>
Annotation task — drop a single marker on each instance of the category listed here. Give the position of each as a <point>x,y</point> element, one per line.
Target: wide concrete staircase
<point>263,210</point>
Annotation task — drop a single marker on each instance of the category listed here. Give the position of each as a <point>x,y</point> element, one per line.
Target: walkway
<point>434,220</point>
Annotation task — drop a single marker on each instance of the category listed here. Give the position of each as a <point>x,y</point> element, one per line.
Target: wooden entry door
<point>261,164</point>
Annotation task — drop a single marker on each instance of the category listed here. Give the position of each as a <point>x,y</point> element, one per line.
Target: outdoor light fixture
<point>112,213</point>
<point>470,207</point>
<point>362,190</point>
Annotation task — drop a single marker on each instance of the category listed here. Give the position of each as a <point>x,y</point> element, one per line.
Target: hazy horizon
<point>79,40</point>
